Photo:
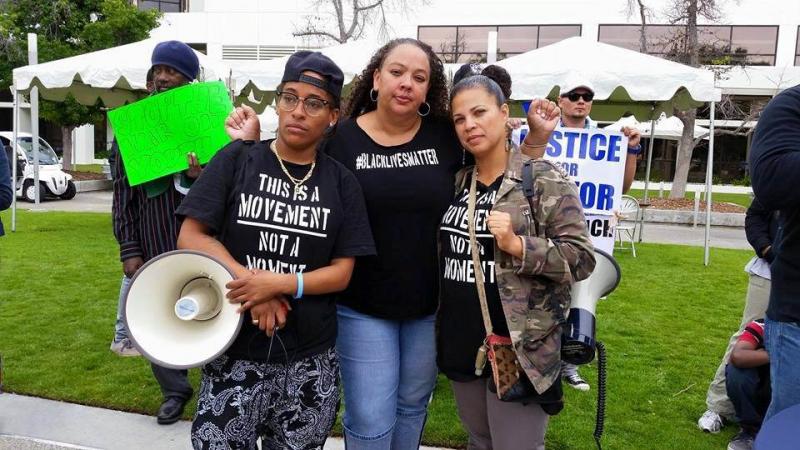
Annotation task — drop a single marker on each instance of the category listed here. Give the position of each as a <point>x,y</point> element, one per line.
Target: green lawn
<point>739,199</point>
<point>665,329</point>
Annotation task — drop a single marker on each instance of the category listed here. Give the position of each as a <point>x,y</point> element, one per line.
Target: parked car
<point>53,181</point>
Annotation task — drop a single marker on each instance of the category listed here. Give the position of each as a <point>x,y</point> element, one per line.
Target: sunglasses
<point>574,96</point>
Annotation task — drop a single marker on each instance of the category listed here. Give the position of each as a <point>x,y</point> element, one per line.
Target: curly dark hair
<point>437,95</point>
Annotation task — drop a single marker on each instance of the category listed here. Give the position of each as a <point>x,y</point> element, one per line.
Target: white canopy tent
<point>756,80</point>
<point>115,75</point>
<point>625,83</point>
<point>670,128</point>
<point>257,80</point>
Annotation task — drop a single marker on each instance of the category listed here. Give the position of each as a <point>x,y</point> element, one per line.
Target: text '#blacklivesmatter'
<point>406,159</point>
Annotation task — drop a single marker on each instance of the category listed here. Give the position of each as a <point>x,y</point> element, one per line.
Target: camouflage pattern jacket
<point>535,290</point>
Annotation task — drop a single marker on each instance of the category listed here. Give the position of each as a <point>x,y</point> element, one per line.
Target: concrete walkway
<point>35,423</point>
<point>724,237</point>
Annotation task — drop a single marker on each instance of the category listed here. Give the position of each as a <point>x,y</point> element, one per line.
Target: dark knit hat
<point>318,63</point>
<point>177,55</point>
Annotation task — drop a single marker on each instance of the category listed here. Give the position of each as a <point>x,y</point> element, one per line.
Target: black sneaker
<point>576,382</point>
<point>742,441</point>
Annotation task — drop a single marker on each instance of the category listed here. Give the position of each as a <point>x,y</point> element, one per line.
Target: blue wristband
<point>637,150</point>
<point>299,293</point>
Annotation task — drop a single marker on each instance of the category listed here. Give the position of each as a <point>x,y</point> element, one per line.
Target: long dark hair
<point>360,102</point>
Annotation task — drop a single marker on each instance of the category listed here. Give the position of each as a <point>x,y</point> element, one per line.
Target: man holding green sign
<point>156,139</point>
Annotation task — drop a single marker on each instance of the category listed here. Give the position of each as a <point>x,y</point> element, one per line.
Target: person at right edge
<point>775,165</point>
<point>530,254</point>
<point>6,190</point>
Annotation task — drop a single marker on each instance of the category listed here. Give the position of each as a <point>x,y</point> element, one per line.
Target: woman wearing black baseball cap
<point>289,221</point>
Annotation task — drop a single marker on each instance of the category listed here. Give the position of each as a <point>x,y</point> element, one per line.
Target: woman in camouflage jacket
<point>530,255</point>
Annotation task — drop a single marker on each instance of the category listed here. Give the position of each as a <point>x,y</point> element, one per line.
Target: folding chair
<point>629,210</point>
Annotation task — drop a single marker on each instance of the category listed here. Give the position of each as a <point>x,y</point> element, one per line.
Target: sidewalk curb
<point>43,424</point>
<point>687,217</point>
<point>93,185</point>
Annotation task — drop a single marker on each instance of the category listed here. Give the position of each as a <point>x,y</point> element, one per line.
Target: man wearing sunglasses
<point>576,104</point>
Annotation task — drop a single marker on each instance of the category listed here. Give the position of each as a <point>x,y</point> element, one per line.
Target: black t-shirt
<point>407,188</point>
<point>460,322</point>
<point>265,225</point>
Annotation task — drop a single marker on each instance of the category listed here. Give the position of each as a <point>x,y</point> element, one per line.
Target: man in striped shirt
<point>144,218</point>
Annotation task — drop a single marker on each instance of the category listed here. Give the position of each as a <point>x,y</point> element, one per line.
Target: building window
<point>461,44</point>
<point>719,44</point>
<point>797,49</point>
<point>550,34</point>
<point>161,5</point>
<point>200,47</point>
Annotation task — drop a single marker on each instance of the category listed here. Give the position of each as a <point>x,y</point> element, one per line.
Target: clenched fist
<point>499,224</point>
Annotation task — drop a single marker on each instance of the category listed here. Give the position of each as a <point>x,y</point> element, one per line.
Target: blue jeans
<point>388,371</point>
<point>120,330</point>
<point>782,340</point>
<point>748,390</point>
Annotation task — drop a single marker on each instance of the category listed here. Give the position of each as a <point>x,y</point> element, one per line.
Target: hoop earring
<point>428,111</point>
<point>375,98</point>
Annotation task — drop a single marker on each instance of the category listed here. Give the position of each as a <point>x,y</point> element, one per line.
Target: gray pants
<point>755,307</point>
<point>120,330</point>
<point>173,382</point>
<point>496,425</point>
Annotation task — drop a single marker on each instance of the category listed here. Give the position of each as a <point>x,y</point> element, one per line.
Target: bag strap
<point>528,178</point>
<point>476,260</point>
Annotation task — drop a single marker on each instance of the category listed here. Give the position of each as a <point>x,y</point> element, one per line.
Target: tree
<point>684,46</point>
<point>350,18</point>
<point>451,51</point>
<point>64,29</point>
<point>644,13</point>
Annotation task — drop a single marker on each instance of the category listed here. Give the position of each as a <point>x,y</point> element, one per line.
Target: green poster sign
<point>155,134</point>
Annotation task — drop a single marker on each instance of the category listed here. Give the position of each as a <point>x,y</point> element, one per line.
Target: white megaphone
<point>176,310</point>
<point>578,343</point>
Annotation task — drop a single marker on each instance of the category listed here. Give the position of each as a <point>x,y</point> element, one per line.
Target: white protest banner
<point>595,160</point>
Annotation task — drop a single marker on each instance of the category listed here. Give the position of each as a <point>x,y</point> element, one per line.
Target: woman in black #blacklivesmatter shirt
<point>289,222</point>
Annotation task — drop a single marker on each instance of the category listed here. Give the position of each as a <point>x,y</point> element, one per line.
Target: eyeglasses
<point>574,96</point>
<point>311,105</point>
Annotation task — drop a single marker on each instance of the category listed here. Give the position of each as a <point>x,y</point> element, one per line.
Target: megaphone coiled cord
<point>601,394</point>
<point>269,355</point>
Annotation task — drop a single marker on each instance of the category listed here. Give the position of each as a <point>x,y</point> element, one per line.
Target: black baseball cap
<point>316,62</point>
